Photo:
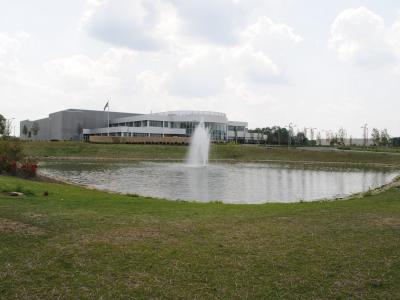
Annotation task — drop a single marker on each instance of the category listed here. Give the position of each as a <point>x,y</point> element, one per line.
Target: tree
<point>333,140</point>
<point>385,138</point>
<point>24,130</point>
<point>301,139</point>
<point>35,128</point>
<point>2,124</point>
<point>7,129</point>
<point>376,137</point>
<point>341,136</point>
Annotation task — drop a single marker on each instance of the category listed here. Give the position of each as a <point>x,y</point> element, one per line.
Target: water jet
<point>199,147</point>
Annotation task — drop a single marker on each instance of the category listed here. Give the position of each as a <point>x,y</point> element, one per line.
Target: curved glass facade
<point>217,130</point>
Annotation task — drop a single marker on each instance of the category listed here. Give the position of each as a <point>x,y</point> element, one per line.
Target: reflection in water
<point>230,183</point>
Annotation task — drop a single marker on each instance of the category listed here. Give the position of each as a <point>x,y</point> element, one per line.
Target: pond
<point>250,183</point>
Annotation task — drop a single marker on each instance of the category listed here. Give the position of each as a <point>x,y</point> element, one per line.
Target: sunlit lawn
<point>78,243</point>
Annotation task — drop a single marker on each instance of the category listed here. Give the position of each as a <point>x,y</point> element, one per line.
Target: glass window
<point>156,123</point>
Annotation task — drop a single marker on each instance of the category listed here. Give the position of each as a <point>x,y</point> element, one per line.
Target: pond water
<point>230,183</point>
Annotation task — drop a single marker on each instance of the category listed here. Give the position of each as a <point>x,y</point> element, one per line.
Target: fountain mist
<point>199,146</point>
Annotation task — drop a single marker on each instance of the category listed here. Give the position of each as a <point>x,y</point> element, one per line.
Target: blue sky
<point>323,64</point>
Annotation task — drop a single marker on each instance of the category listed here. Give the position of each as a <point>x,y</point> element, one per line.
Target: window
<point>137,123</point>
<point>236,128</point>
<point>156,123</point>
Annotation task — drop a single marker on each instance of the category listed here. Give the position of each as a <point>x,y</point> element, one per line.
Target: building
<point>174,123</point>
<point>396,142</point>
<point>66,124</point>
<point>74,124</point>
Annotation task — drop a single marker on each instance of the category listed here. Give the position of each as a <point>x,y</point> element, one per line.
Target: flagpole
<point>108,118</point>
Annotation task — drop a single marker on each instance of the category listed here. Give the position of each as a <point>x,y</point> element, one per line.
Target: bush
<point>13,160</point>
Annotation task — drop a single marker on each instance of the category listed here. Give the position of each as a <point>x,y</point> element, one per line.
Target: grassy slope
<point>238,152</point>
<point>79,243</point>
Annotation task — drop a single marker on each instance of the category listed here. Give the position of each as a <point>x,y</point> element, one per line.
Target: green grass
<point>221,152</point>
<point>374,149</point>
<point>84,244</point>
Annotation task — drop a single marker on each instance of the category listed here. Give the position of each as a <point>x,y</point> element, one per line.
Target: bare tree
<point>385,137</point>
<point>341,136</point>
<point>7,129</point>
<point>376,137</point>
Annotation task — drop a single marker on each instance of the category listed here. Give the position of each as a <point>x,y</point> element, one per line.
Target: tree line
<point>277,135</point>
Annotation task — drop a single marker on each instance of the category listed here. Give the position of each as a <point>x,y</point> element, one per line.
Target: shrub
<point>13,160</point>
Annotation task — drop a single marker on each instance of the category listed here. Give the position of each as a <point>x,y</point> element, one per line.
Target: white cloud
<point>360,36</point>
<point>204,71</point>
<point>215,21</point>
<point>141,25</point>
<point>266,35</point>
<point>80,74</point>
<point>199,74</point>
<point>202,42</point>
<point>10,45</point>
<point>248,64</point>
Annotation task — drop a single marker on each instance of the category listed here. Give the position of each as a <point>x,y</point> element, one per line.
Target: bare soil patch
<point>391,222</point>
<point>11,226</point>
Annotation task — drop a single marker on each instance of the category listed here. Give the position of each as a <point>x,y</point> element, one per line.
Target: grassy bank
<point>77,243</point>
<point>235,152</point>
<point>373,149</point>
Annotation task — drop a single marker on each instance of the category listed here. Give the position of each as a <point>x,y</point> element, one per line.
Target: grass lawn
<point>227,152</point>
<point>84,244</point>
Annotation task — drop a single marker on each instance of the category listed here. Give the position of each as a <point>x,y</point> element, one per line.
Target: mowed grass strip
<point>83,244</point>
<point>218,152</point>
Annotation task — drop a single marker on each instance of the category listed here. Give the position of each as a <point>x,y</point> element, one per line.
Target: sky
<point>316,64</point>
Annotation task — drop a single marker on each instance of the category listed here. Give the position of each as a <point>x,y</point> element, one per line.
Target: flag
<point>106,105</point>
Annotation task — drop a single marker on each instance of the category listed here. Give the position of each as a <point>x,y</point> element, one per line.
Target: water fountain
<point>199,146</point>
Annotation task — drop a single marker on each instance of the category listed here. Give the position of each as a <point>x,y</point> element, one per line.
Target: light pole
<point>291,125</point>
<point>365,134</point>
